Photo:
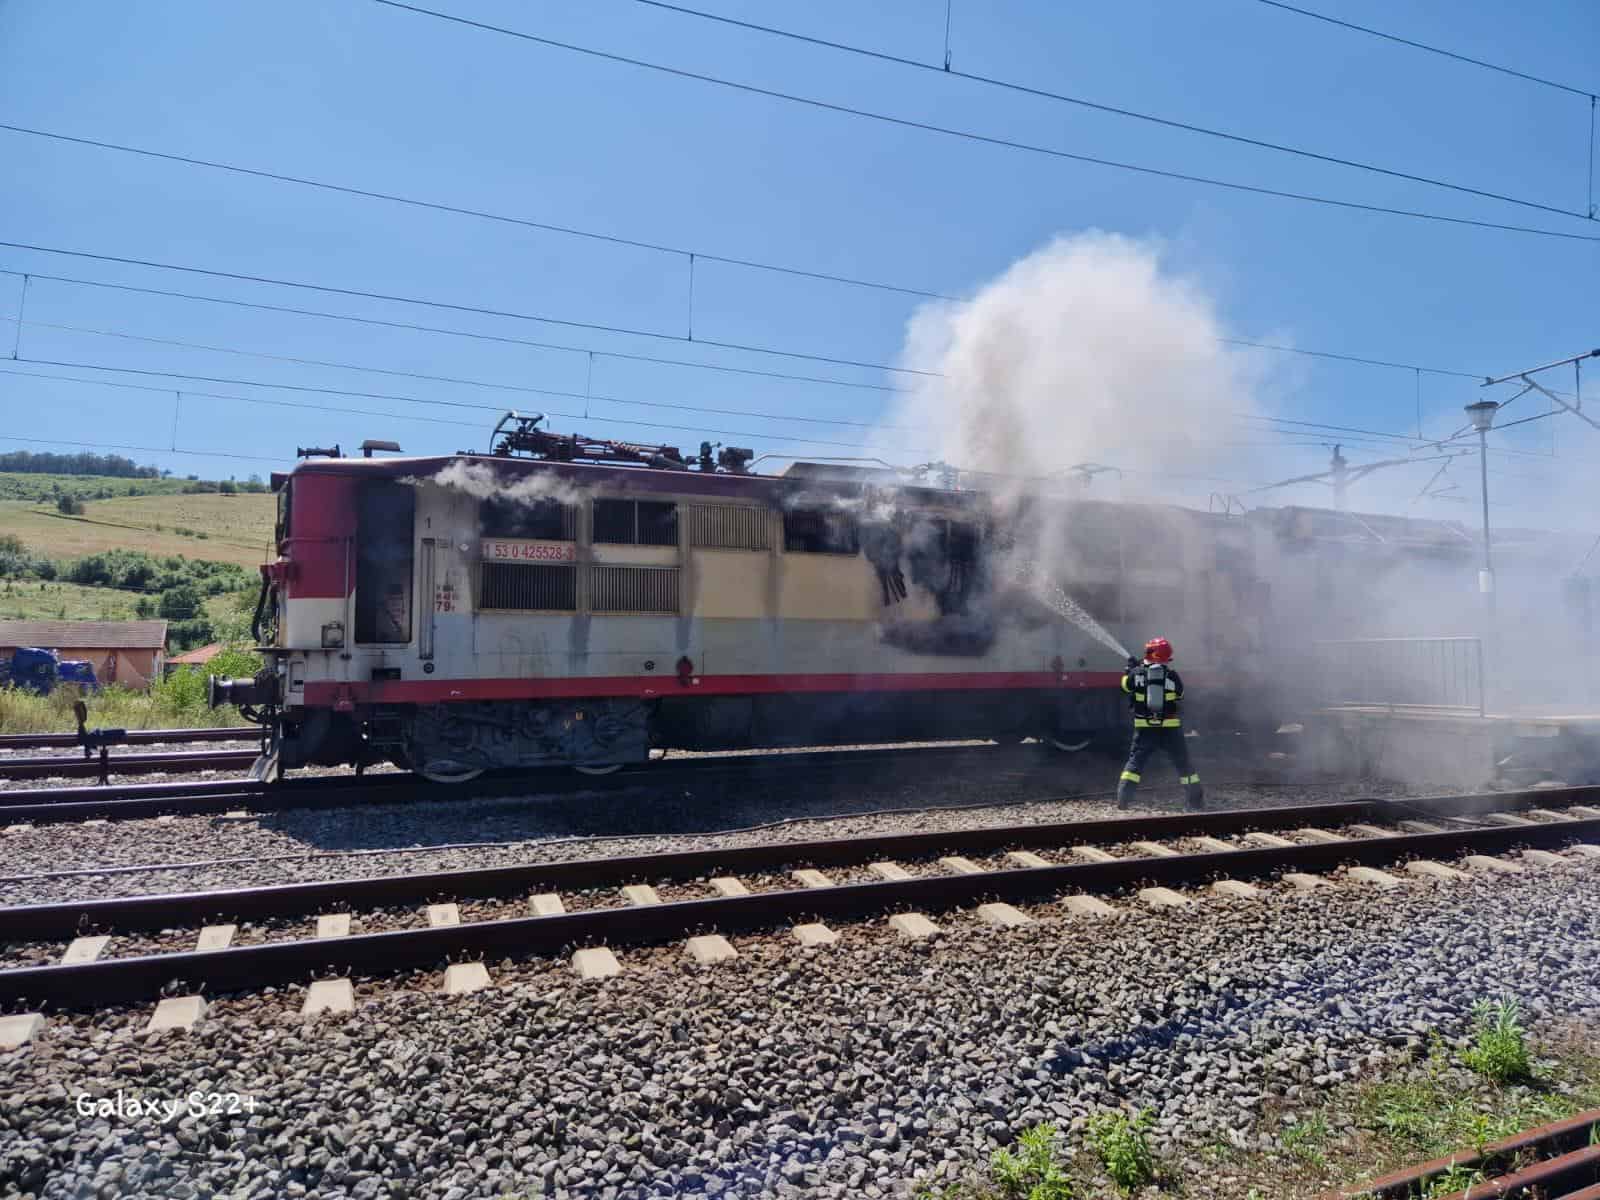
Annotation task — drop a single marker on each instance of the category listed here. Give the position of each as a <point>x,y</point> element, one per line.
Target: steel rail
<point>1556,1137</point>
<point>67,767</point>
<point>135,737</point>
<point>135,913</point>
<point>133,801</point>
<point>130,980</point>
<point>1554,1178</point>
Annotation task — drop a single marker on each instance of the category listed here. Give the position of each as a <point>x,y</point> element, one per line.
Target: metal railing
<point>1436,673</point>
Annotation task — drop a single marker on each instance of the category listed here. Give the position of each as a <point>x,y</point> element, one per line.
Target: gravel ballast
<point>844,1072</point>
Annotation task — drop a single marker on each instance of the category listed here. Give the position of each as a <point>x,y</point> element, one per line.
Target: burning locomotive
<point>566,602</point>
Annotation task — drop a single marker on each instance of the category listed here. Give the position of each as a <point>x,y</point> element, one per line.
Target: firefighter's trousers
<point>1146,741</point>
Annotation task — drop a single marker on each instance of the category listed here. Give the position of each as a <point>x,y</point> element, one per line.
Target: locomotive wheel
<point>608,769</point>
<point>465,775</point>
<point>1072,746</point>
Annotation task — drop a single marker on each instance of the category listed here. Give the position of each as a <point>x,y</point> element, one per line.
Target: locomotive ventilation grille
<point>729,527</point>
<point>529,586</point>
<point>634,589</point>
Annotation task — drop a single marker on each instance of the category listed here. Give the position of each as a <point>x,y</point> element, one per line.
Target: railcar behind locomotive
<point>561,601</point>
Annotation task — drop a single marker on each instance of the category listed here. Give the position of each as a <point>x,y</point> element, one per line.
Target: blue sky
<point>367,96</point>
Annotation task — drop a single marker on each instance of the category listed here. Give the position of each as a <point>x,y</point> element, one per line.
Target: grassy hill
<point>223,528</point>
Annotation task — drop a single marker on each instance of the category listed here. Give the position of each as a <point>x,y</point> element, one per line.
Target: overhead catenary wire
<point>1430,49</point>
<point>986,139</point>
<point>478,213</point>
<point>1099,106</point>
<point>413,327</point>
<point>587,394</point>
<point>401,399</point>
<point>450,306</point>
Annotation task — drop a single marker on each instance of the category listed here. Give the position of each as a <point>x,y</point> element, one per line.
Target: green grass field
<point>236,529</point>
<point>33,600</point>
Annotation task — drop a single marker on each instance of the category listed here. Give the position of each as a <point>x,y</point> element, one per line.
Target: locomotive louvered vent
<point>729,526</point>
<point>820,531</point>
<point>634,589</point>
<point>529,587</point>
<point>636,522</point>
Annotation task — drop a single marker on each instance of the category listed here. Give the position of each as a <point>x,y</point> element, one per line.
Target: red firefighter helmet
<point>1158,649</point>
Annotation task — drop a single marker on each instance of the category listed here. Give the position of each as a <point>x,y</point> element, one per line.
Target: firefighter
<point>1155,690</point>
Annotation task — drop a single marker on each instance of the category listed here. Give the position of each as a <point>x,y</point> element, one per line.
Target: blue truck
<point>34,670</point>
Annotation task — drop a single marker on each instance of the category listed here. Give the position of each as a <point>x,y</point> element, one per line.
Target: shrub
<point>180,603</point>
<point>69,505</point>
<point>1500,1045</point>
<point>1123,1148</point>
<point>1033,1173</point>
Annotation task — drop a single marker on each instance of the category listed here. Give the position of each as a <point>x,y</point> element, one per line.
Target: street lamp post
<point>1482,414</point>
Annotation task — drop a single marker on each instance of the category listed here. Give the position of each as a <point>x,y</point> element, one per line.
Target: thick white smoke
<point>1086,350</point>
<point>480,480</point>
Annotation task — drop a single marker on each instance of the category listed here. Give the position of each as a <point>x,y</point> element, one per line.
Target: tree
<point>180,603</point>
<point>144,608</point>
<point>69,505</point>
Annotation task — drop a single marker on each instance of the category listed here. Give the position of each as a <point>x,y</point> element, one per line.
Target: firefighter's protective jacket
<point>1154,690</point>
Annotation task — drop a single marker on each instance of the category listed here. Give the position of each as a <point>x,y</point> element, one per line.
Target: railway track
<point>130,801</point>
<point>62,766</point>
<point>1153,855</point>
<point>135,737</point>
<point>1558,1161</point>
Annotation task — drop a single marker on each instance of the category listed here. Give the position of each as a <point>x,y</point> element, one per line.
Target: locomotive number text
<point>524,551</point>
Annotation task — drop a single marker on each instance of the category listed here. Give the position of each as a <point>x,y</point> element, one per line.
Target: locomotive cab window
<point>636,522</point>
<point>819,531</point>
<point>542,520</point>
<point>384,562</point>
